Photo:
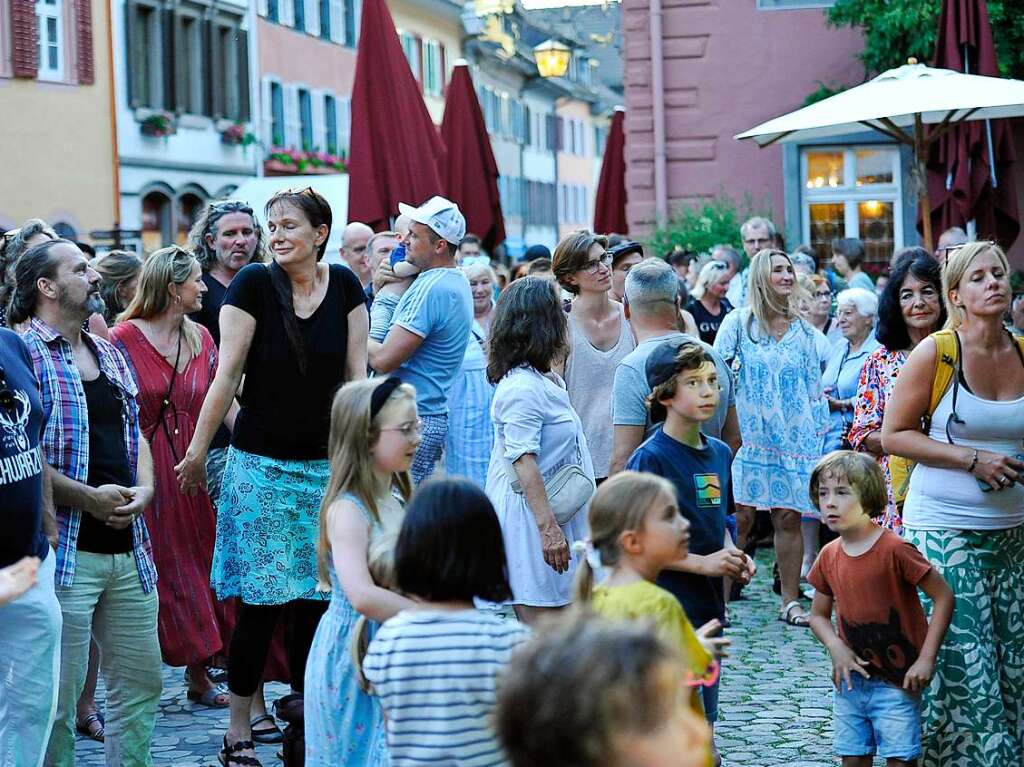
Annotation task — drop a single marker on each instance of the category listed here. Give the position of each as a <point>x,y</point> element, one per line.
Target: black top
<point>108,465</point>
<point>707,323</point>
<point>286,413</point>
<point>209,318</point>
<point>21,471</point>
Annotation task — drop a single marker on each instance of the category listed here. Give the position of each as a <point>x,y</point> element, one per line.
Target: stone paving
<point>776,701</point>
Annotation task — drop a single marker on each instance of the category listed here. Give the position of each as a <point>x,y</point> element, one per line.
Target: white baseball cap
<point>441,215</point>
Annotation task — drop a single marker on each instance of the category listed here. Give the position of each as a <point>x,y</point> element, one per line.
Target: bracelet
<point>974,461</point>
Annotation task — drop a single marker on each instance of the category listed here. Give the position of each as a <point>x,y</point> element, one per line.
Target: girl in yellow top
<point>636,530</point>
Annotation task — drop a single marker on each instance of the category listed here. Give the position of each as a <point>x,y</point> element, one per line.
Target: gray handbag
<point>568,490</point>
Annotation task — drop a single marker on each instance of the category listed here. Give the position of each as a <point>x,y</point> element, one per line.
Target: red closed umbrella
<point>970,170</point>
<point>395,152</point>
<point>471,175</point>
<point>610,203</point>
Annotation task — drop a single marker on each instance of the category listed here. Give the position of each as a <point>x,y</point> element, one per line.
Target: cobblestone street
<point>776,700</point>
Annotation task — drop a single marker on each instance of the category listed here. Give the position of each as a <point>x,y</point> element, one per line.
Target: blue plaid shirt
<point>66,435</point>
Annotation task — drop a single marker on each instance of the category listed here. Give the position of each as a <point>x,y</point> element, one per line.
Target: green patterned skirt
<point>974,708</point>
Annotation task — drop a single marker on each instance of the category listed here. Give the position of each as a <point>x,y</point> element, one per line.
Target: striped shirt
<point>66,433</point>
<point>436,675</point>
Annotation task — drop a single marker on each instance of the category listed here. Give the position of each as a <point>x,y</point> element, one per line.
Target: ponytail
<point>586,571</point>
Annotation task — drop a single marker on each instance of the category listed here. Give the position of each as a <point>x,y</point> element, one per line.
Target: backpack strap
<point>947,355</point>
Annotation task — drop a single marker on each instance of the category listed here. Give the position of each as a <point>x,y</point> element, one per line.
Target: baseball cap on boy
<point>663,362</point>
<point>623,249</point>
<point>441,215</point>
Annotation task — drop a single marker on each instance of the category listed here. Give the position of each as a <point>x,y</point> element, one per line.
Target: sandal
<point>270,734</point>
<point>786,615</point>
<point>212,697</point>
<point>229,754</point>
<point>92,726</point>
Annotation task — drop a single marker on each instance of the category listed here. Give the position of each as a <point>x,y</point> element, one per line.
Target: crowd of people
<point>474,516</point>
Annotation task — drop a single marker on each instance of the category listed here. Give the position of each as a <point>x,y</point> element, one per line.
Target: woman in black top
<point>297,328</point>
<point>708,303</point>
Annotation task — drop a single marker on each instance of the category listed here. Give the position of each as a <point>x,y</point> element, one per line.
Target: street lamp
<point>552,58</point>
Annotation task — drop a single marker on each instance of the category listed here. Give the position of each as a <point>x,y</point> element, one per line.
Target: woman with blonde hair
<point>964,507</point>
<point>374,434</point>
<point>782,411</point>
<point>174,361</point>
<point>708,303</point>
<point>120,272</point>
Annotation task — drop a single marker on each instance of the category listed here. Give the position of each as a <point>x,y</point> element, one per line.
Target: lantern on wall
<point>552,58</point>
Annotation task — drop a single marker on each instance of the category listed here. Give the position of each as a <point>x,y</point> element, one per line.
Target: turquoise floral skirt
<point>267,529</point>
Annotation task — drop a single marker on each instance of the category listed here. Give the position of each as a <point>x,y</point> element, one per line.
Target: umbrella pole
<point>925,202</point>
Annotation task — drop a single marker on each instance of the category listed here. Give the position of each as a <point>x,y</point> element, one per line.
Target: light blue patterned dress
<point>782,411</point>
<point>344,725</point>
<point>467,450</point>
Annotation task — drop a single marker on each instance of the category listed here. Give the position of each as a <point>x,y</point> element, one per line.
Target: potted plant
<point>237,135</point>
<point>159,124</point>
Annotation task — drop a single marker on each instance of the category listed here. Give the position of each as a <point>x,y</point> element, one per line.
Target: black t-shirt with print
<point>21,470</point>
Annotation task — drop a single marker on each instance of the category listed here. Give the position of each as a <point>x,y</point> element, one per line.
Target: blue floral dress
<point>344,725</point>
<point>782,411</point>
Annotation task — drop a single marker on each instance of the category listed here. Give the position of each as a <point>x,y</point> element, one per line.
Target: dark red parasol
<point>961,182</point>
<point>395,149</point>
<point>470,176</point>
<point>610,203</point>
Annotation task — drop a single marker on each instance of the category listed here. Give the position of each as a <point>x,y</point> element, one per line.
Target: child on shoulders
<point>883,655</point>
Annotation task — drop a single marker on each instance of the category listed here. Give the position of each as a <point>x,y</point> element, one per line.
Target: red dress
<point>193,625</point>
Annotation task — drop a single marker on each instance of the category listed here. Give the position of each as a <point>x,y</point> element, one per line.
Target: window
<point>299,12</point>
<point>145,81</point>
<point>305,119</point>
<point>325,19</point>
<point>411,48</point>
<point>189,66</point>
<point>156,221</point>
<point>331,124</point>
<point>276,114</point>
<point>51,39</point>
<point>273,10</point>
<point>433,64</point>
<point>189,208</point>
<point>351,23</point>
<point>853,192</point>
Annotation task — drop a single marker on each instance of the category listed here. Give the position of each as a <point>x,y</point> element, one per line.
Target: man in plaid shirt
<point>102,477</point>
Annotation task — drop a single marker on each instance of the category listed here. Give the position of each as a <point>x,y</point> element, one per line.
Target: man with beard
<point>102,477</point>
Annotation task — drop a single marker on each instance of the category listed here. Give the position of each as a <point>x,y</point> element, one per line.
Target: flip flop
<point>86,727</point>
<point>228,755</point>
<point>787,617</point>
<point>270,734</point>
<point>210,697</point>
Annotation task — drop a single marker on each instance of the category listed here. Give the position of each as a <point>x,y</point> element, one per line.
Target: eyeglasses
<point>593,266</point>
<point>409,430</point>
<point>823,294</point>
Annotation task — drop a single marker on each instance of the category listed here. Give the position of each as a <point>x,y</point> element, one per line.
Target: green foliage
<point>823,91</point>
<point>894,30</point>
<point>701,226</point>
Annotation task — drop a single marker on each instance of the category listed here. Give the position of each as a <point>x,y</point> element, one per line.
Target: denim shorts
<point>876,718</point>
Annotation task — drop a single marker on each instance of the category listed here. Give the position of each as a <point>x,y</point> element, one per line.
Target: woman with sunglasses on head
<point>297,328</point>
<point>174,361</point>
<point>599,337</point>
<point>708,303</point>
<point>965,507</point>
<point>782,411</point>
<point>909,310</point>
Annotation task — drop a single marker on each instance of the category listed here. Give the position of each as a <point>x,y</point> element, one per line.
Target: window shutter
<point>292,119</point>
<point>261,8</point>
<point>313,17</point>
<point>168,28</point>
<point>443,73</point>
<point>418,53</point>
<point>266,112</point>
<point>131,21</point>
<point>319,130</point>
<point>83,41</point>
<point>344,125</point>
<point>211,72</point>
<point>244,108</point>
<point>286,8</point>
<point>337,21</point>
<point>357,20</point>
<point>24,38</point>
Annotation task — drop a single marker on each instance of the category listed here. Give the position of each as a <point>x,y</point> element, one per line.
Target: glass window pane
<point>877,231</point>
<point>824,170</point>
<point>828,221</point>
<point>54,58</point>
<point>874,166</point>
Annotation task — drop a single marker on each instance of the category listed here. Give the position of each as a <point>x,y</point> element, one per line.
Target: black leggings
<point>251,641</point>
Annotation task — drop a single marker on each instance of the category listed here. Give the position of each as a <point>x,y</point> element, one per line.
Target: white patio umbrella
<point>899,103</point>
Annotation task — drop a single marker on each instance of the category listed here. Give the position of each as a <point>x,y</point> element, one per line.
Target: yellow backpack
<point>947,354</point>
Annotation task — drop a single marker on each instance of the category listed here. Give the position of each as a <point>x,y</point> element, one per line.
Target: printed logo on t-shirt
<point>19,461</point>
<point>709,489</point>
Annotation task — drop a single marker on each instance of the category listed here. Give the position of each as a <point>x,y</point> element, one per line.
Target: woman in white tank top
<point>599,337</point>
<point>964,511</point>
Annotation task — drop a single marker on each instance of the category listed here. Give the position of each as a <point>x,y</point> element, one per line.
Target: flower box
<point>159,125</point>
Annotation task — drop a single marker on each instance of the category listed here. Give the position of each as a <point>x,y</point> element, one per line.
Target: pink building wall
<point>727,67</point>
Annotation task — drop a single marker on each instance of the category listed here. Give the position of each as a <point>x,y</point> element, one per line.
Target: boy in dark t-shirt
<point>685,392</point>
<point>883,655</point>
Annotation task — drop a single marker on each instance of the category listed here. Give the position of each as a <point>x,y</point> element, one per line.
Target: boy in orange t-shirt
<point>884,652</point>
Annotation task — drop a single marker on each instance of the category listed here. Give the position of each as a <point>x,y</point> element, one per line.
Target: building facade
<point>55,121</point>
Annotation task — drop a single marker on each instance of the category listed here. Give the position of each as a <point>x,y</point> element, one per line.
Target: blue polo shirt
<point>702,481</point>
